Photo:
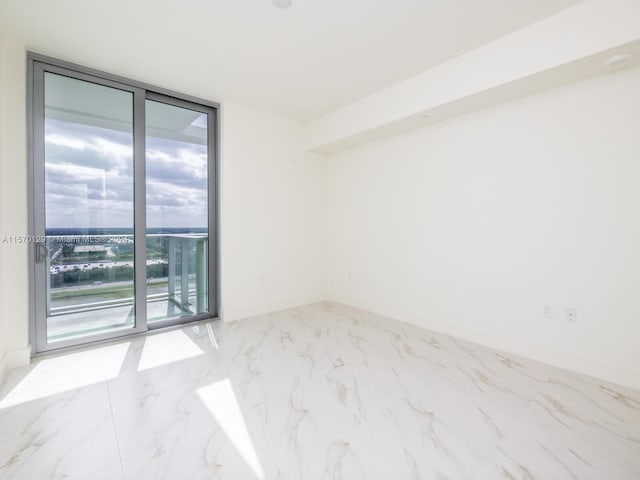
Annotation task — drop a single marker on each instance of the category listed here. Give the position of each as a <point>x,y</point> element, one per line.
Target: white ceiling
<point>303,61</point>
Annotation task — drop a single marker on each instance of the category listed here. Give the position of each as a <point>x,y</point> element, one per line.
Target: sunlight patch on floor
<point>165,348</point>
<point>221,401</point>
<point>54,375</point>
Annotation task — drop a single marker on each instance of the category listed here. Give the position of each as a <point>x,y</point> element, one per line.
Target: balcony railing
<point>99,269</point>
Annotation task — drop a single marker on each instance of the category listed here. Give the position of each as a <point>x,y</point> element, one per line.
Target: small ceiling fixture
<point>282,3</point>
<point>618,60</point>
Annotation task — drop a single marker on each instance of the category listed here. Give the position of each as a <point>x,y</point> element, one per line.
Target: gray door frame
<point>37,65</point>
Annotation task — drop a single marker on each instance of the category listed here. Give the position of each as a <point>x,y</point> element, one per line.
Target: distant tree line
<point>108,274</point>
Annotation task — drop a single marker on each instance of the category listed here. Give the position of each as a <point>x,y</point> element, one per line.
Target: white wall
<point>13,203</point>
<point>273,215</point>
<point>273,211</point>
<point>471,226</point>
<point>3,359</point>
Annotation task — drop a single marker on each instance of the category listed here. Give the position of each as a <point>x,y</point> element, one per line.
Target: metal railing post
<point>200,279</point>
<point>171,268</point>
<point>184,274</point>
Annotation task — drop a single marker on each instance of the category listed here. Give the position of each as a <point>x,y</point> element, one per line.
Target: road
<point>54,269</point>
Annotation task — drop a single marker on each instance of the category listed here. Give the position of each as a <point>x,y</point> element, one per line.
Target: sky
<point>89,179</point>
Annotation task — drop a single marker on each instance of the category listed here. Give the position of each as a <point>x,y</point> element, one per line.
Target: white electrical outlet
<point>571,314</point>
<point>547,311</point>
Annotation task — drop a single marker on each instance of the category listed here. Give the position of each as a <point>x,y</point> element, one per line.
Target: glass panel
<point>88,207</point>
<point>177,232</point>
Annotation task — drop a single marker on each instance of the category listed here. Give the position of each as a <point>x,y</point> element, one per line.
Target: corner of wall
<point>272,209</point>
<point>477,236</point>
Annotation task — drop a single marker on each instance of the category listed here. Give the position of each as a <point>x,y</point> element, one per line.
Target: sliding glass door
<point>177,210</point>
<point>123,207</point>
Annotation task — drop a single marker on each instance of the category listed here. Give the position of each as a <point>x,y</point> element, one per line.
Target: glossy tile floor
<point>320,392</point>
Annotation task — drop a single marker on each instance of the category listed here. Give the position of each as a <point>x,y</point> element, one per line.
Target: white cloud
<point>89,180</point>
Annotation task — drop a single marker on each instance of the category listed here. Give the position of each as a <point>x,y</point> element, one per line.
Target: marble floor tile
<point>69,449</point>
<point>324,391</point>
<point>111,473</point>
<point>28,417</point>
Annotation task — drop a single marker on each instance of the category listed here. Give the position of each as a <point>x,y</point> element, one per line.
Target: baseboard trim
<point>233,314</point>
<point>18,358</point>
<point>583,365</point>
<point>3,367</point>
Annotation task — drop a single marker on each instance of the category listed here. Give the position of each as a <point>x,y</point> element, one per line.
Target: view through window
<point>124,209</point>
